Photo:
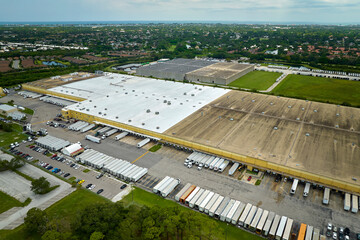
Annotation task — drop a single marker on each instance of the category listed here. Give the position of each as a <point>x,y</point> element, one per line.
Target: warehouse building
<point>175,69</point>
<point>219,73</point>
<point>257,130</point>
<point>52,143</point>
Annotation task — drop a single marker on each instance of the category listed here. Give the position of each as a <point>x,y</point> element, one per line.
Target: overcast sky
<point>312,11</point>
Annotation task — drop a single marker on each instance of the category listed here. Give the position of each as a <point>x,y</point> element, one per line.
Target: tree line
<point>115,221</point>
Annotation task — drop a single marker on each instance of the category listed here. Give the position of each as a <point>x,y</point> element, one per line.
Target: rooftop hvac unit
<point>129,120</point>
<point>148,111</point>
<point>133,90</point>
<point>143,124</point>
<point>192,95</point>
<point>116,117</point>
<point>165,101</point>
<point>94,106</point>
<point>90,100</point>
<point>157,113</point>
<point>169,103</point>
<point>158,127</point>
<point>185,93</point>
<point>105,108</point>
<point>100,113</point>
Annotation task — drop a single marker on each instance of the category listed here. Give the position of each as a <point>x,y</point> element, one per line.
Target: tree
<point>51,235</point>
<point>16,163</point>
<point>36,221</point>
<point>97,236</point>
<point>40,186</point>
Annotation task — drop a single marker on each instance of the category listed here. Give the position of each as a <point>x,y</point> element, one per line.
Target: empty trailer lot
<point>318,138</point>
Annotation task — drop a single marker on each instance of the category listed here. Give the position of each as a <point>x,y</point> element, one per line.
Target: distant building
<point>6,109</point>
<point>272,52</point>
<point>128,67</point>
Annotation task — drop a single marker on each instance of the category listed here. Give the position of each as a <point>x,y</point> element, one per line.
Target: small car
<point>99,176</point>
<point>249,178</point>
<point>123,186</point>
<point>72,165</point>
<point>81,181</point>
<point>334,236</point>
<point>89,185</point>
<point>92,187</point>
<point>100,191</point>
<point>67,174</point>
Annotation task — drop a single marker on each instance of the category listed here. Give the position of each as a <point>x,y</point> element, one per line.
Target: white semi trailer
<point>170,187</point>
<point>143,142</point>
<point>93,139</point>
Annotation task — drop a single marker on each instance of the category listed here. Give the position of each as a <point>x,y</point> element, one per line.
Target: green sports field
<point>256,80</point>
<point>320,89</point>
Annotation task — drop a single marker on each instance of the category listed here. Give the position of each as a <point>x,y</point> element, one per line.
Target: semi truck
<point>222,206</point>
<point>170,187</point>
<point>326,197</point>
<point>274,226</point>
<point>121,135</point>
<point>215,206</point>
<point>93,139</point>
<point>187,193</point>
<point>262,222</point>
<point>156,188</point>
<point>347,202</point>
<point>281,228</point>
<point>237,214</point>
<point>211,203</point>
<point>192,194</point>
<point>232,211</point>
<point>244,214</point>
<point>294,186</point>
<point>306,189</point>
<point>226,210</point>
<point>233,168</point>
<point>287,230</point>
<point>205,202</point>
<point>256,219</point>
<point>111,132</point>
<point>143,142</point>
<point>268,223</point>
<point>182,191</point>
<point>355,204</point>
<point>250,216</point>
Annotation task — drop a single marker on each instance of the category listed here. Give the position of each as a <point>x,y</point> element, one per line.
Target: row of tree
<point>114,221</point>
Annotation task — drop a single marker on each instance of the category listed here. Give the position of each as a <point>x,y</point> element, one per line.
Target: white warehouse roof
<point>138,101</point>
<point>72,149</point>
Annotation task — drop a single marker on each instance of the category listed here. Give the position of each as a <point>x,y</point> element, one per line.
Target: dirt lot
<point>317,137</point>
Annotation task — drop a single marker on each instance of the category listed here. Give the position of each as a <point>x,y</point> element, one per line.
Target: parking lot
<point>269,195</point>
<point>110,185</point>
<point>18,187</point>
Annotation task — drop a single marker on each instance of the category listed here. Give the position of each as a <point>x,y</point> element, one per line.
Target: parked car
<point>249,178</point>
<point>92,187</point>
<point>334,236</point>
<point>100,191</point>
<point>123,186</point>
<point>89,185</point>
<point>67,174</point>
<point>81,181</point>
<point>49,167</point>
<point>100,175</point>
<point>72,165</point>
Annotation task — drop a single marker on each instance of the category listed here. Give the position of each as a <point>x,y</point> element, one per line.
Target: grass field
<point>8,202</point>
<point>9,137</point>
<point>142,197</point>
<point>66,208</point>
<point>257,80</point>
<point>320,89</point>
